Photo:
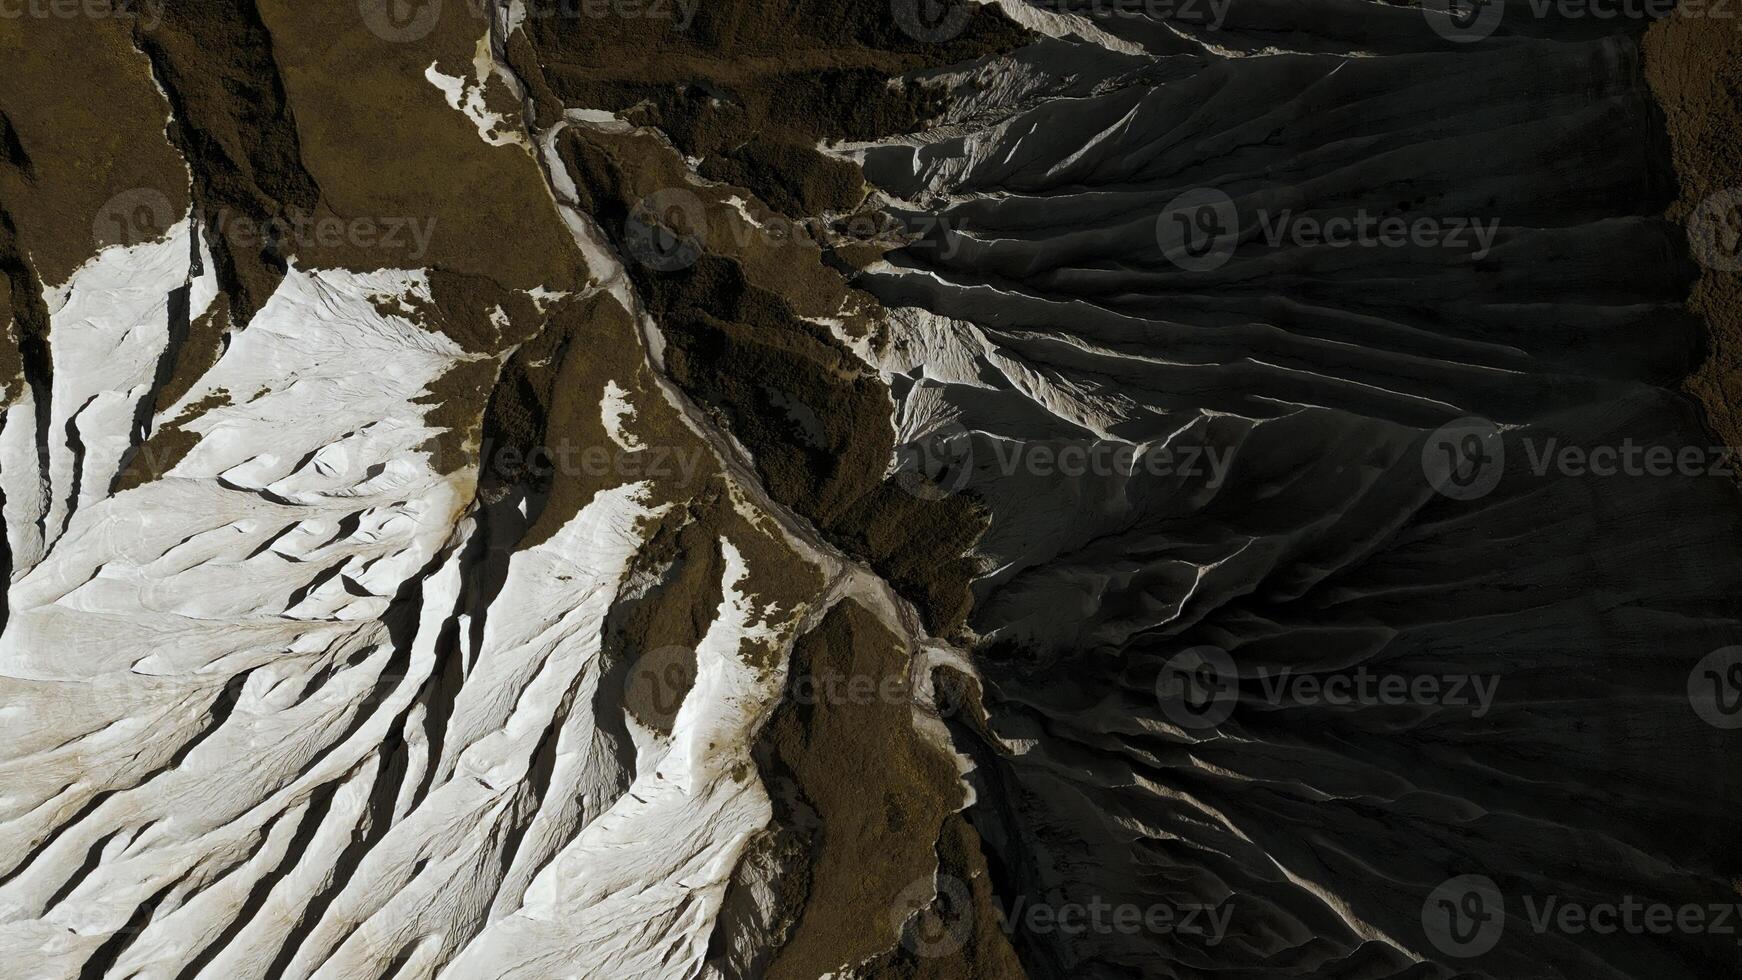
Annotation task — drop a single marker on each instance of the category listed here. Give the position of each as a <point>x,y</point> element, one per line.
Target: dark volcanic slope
<point>1586,601</point>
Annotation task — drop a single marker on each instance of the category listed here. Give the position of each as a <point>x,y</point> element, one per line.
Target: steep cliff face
<point>525,489</point>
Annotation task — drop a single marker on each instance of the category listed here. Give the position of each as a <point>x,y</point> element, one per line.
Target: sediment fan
<point>512,489</point>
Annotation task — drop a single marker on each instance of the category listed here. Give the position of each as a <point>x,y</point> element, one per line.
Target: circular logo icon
<point>1715,231</point>
<point>1715,688</point>
<point>665,229</point>
<point>931,21</point>
<point>657,683</point>
<point>1464,21</point>
<point>400,21</point>
<point>1199,230</point>
<point>133,217</point>
<point>1464,916</point>
<point>938,464</point>
<point>1198,687</point>
<point>929,928</point>
<point>1464,459</point>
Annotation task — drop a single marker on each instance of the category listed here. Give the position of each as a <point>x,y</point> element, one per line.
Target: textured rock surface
<point>542,490</point>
